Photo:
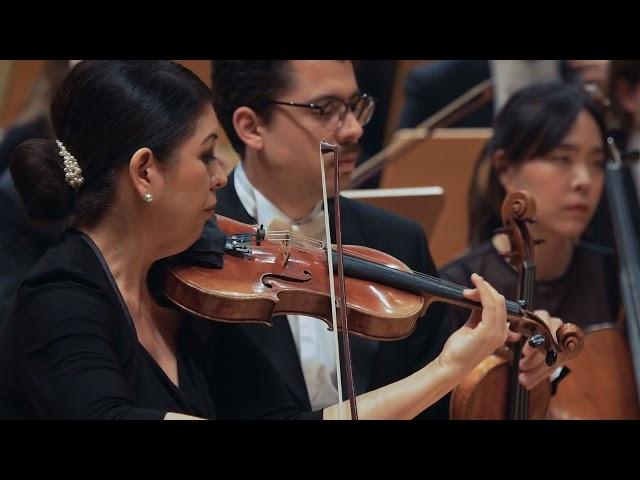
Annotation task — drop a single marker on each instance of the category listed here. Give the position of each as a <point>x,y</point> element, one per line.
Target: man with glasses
<point>275,113</point>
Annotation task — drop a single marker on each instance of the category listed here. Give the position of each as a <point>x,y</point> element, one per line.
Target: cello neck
<point>628,251</point>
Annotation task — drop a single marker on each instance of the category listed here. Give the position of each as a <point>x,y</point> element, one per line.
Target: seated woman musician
<point>549,140</point>
<point>134,172</point>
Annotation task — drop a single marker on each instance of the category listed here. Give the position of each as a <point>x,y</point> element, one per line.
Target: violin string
<point>446,288</point>
<point>293,239</point>
<point>443,286</point>
<point>287,235</point>
<point>311,243</point>
<point>283,235</point>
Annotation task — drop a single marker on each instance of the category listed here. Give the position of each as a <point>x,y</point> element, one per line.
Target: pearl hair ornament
<point>72,172</point>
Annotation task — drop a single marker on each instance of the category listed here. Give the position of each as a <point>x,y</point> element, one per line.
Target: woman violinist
<point>133,170</point>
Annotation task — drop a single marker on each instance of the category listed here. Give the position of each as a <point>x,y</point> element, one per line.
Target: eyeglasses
<point>334,111</point>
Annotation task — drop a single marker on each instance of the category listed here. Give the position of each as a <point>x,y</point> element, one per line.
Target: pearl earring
<point>147,197</point>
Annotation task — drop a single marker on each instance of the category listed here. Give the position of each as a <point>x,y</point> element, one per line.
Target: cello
<point>492,391</point>
<point>604,380</point>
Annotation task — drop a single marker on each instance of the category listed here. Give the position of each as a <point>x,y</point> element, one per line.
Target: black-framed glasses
<point>334,111</point>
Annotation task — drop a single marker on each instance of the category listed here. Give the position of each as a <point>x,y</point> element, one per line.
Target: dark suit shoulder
<point>388,232</point>
<point>229,204</point>
<point>378,220</point>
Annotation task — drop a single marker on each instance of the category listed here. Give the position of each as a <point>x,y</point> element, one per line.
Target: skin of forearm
<point>180,416</point>
<point>404,399</point>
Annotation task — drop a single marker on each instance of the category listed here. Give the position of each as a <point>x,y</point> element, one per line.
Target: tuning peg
<point>536,340</point>
<point>551,358</point>
<point>260,234</point>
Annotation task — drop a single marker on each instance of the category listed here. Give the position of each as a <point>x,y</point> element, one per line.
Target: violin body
<point>279,279</point>
<point>601,385</point>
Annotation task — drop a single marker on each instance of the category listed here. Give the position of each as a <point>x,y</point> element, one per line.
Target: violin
<point>278,273</point>
<point>492,390</point>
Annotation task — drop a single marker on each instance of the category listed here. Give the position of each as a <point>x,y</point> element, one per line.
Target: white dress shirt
<point>314,342</point>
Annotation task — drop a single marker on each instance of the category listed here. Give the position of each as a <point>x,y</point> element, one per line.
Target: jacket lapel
<point>363,351</point>
<point>277,341</point>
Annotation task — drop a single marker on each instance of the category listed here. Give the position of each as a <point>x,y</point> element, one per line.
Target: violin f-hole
<point>306,277</point>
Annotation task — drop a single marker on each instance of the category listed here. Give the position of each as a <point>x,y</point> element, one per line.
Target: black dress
<point>68,348</point>
<point>586,294</point>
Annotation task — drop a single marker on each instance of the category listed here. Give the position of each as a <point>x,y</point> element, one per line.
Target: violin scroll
<point>569,343</point>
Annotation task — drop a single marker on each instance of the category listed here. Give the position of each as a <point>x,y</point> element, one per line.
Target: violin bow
<point>326,147</point>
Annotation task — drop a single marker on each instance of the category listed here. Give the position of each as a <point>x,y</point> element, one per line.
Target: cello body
<point>595,388</point>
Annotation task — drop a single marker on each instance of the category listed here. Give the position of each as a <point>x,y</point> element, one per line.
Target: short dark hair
<point>103,112</point>
<point>533,122</point>
<point>249,83</point>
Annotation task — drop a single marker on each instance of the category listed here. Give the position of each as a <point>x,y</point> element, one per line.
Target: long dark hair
<point>533,122</point>
<point>103,112</point>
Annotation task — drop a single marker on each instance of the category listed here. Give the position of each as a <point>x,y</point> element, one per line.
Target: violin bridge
<point>285,249</point>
